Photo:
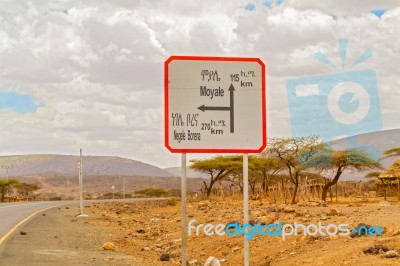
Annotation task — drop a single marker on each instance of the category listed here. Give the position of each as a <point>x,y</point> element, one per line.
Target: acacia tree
<point>328,159</point>
<point>26,189</point>
<point>264,168</point>
<point>236,175</point>
<point>294,154</point>
<point>260,169</point>
<point>374,174</point>
<point>218,168</point>
<point>253,178</point>
<point>6,185</point>
<point>394,152</point>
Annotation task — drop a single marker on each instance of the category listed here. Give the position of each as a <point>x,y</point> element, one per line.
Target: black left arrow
<point>223,108</point>
<point>213,108</point>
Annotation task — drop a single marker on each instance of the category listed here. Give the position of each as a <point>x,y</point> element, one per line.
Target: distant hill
<point>176,171</point>
<point>57,175</point>
<point>381,140</point>
<point>50,164</point>
<point>67,185</point>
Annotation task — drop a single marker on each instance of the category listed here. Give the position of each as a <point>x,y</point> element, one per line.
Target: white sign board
<point>215,105</point>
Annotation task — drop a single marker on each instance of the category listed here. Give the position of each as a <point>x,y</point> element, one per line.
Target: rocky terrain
<point>150,232</point>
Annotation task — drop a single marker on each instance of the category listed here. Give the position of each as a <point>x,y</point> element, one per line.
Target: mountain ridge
<point>38,164</point>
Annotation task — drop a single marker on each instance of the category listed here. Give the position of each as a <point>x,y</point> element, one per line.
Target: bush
<point>152,192</point>
<point>171,202</point>
<point>109,195</point>
<point>174,192</point>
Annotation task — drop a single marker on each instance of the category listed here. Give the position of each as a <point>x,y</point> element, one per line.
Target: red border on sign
<point>211,150</point>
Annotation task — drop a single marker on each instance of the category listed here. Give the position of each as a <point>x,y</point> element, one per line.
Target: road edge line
<point>11,231</point>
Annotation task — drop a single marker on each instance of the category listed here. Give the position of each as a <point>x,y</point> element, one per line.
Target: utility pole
<point>7,167</point>
<point>80,166</point>
<point>124,187</point>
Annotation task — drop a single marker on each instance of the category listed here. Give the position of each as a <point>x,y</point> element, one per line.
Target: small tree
<point>374,174</point>
<point>394,152</point>
<point>152,192</point>
<point>26,189</point>
<point>6,185</point>
<point>218,168</point>
<point>264,168</point>
<point>294,154</point>
<point>338,161</point>
<point>236,175</point>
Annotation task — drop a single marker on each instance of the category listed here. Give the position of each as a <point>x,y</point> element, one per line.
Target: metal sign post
<point>7,167</point>
<point>124,188</point>
<point>214,105</point>
<point>80,166</point>
<point>246,205</point>
<point>183,209</point>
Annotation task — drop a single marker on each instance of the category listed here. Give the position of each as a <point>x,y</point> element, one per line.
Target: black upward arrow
<point>231,90</point>
<point>222,108</point>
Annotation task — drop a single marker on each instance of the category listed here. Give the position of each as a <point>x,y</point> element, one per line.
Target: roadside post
<point>246,205</point>
<point>7,167</point>
<point>183,209</point>
<point>79,166</point>
<point>124,188</point>
<point>214,105</point>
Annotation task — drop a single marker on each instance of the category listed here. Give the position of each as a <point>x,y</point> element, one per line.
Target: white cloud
<point>97,67</point>
<point>342,8</point>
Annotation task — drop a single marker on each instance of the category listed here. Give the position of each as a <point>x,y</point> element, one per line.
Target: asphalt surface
<point>13,213</point>
<point>57,236</point>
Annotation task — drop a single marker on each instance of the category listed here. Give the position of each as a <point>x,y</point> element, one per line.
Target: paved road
<point>13,213</point>
<point>57,238</point>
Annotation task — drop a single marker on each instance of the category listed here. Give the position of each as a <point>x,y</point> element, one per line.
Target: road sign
<point>215,105</point>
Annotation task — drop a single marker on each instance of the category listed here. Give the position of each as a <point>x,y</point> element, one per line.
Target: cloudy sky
<point>89,74</point>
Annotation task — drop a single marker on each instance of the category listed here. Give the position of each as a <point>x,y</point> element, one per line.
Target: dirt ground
<point>146,230</point>
<point>142,231</point>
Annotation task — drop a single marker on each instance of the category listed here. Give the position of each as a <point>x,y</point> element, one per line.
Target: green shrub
<point>152,192</point>
<point>171,202</point>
